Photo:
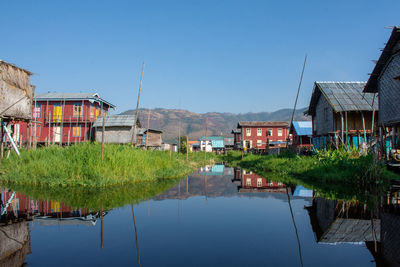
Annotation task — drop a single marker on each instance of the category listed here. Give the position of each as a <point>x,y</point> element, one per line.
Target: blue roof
<point>213,138</point>
<point>303,127</point>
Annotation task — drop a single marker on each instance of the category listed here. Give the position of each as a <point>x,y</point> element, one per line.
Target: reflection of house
<point>341,111</point>
<point>215,170</point>
<point>256,134</point>
<point>64,117</point>
<point>248,181</point>
<point>117,128</point>
<point>337,222</point>
<point>301,191</point>
<point>301,133</point>
<point>14,243</point>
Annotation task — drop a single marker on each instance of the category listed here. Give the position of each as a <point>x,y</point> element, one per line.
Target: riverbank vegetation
<point>81,165</point>
<point>341,173</point>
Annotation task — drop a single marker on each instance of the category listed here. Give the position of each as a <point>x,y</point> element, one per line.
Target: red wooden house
<point>301,132</point>
<point>257,134</point>
<point>64,117</point>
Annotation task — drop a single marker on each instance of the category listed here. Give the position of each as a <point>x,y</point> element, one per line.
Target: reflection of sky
<point>236,230</point>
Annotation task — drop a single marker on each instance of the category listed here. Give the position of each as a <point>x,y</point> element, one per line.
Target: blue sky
<point>224,56</point>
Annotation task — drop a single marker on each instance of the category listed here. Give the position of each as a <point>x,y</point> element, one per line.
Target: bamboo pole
<point>187,148</point>
<point>102,139</point>
<point>342,124</point>
<point>345,114</point>
<point>297,96</point>
<point>102,227</point>
<point>134,136</point>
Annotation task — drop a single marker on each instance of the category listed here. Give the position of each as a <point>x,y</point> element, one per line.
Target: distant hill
<point>168,120</point>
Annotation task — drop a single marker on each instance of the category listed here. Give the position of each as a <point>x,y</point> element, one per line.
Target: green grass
<point>81,165</point>
<point>333,174</point>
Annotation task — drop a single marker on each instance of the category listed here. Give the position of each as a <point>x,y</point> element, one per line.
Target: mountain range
<point>175,122</point>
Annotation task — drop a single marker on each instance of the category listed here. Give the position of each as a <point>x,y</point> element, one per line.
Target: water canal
<point>221,217</point>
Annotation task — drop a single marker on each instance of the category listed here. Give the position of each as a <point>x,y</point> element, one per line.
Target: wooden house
<point>118,129</point>
<point>342,113</point>
<point>64,117</point>
<point>212,143</point>
<point>237,138</point>
<point>16,92</point>
<point>385,80</point>
<point>150,138</point>
<point>301,132</point>
<point>257,134</point>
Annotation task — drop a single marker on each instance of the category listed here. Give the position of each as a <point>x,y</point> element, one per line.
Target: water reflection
<point>287,216</point>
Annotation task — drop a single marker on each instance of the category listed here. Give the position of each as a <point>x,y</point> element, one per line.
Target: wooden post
<point>68,138</point>
<point>62,121</point>
<point>205,141</point>
<point>187,148</point>
<point>134,136</point>
<point>34,125</point>
<point>363,122</point>
<point>393,137</point>
<point>342,135</point>
<point>345,114</point>
<point>102,139</point>
<point>70,128</point>
<point>148,127</point>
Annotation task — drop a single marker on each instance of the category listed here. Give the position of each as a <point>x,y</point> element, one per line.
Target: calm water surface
<point>228,217</point>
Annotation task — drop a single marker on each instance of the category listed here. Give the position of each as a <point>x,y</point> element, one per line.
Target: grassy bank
<point>81,165</point>
<point>336,174</point>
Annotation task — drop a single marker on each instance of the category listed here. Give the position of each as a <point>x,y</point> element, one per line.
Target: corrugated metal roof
<point>303,127</point>
<point>372,84</point>
<point>263,123</point>
<point>213,138</point>
<point>71,96</point>
<point>116,120</point>
<point>343,96</point>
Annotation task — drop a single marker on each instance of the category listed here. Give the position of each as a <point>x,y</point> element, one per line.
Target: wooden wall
<point>389,92</point>
<point>323,121</point>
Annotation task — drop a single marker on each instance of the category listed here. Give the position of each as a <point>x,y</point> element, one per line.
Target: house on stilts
<point>342,114</point>
<point>385,81</point>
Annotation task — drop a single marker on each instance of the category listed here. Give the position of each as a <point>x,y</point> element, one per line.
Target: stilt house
<point>64,117</point>
<point>342,113</point>
<point>385,80</point>
<point>118,129</point>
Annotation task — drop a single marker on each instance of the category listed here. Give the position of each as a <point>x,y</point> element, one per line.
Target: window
<point>92,111</point>
<point>259,143</point>
<point>97,112</point>
<point>77,112</point>
<point>76,131</point>
<point>37,111</point>
<point>259,131</point>
<point>280,132</point>
<point>248,132</point>
<point>269,132</point>
<point>259,182</point>
<point>248,182</point>
<point>397,78</point>
<point>57,112</point>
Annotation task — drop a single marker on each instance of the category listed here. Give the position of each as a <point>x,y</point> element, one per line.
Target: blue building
<point>212,143</point>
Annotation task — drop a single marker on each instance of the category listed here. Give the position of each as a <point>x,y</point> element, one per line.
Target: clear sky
<point>224,56</point>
